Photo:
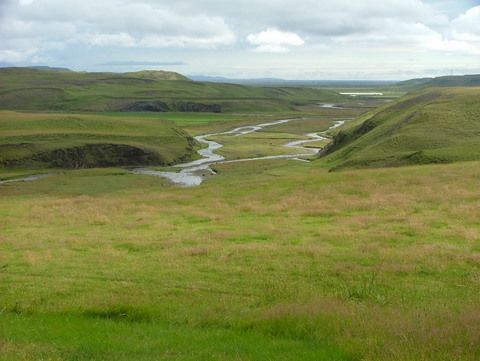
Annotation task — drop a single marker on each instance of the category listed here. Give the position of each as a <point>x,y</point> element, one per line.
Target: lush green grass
<point>198,123</point>
<point>436,125</point>
<point>257,144</point>
<point>148,341</point>
<point>268,260</point>
<point>80,140</point>
<point>29,89</point>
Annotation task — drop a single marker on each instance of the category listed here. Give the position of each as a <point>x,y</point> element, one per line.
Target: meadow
<point>276,260</point>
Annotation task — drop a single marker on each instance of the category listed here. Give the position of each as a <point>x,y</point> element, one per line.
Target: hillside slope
<point>34,89</point>
<point>435,125</point>
<point>85,141</point>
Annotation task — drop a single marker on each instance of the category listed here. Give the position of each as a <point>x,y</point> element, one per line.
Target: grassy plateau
<point>84,140</point>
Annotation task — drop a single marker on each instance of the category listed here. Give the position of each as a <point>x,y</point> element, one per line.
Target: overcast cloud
<point>305,39</point>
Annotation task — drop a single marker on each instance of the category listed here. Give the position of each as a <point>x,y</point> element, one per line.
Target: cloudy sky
<point>301,39</point>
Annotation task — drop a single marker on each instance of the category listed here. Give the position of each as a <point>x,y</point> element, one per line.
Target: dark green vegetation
<point>79,141</point>
<point>435,125</point>
<point>33,89</point>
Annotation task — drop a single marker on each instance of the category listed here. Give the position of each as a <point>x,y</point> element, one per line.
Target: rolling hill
<point>156,91</point>
<point>434,125</point>
<point>442,81</point>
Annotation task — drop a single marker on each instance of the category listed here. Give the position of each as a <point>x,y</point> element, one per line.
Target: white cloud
<point>466,29</point>
<point>274,40</point>
<point>161,41</point>
<point>462,35</point>
<point>14,56</point>
<point>317,17</point>
<point>106,23</point>
<point>468,22</point>
<point>120,39</point>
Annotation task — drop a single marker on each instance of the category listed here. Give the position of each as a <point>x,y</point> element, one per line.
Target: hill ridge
<point>157,91</point>
<point>435,125</point>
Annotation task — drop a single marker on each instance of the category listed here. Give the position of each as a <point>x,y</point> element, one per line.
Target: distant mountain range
<point>443,81</point>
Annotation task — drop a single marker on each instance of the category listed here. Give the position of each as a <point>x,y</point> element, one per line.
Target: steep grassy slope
<point>73,141</point>
<point>33,89</point>
<point>436,125</point>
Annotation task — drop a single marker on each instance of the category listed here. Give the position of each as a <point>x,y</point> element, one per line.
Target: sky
<point>290,39</point>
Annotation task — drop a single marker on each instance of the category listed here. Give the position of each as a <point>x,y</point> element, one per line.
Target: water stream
<point>193,173</point>
<point>330,106</point>
<point>30,178</point>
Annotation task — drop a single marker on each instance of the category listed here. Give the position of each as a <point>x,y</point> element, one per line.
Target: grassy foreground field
<point>275,260</point>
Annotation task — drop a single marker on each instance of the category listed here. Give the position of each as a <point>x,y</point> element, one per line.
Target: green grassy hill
<point>435,125</point>
<point>38,89</point>
<point>83,141</point>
